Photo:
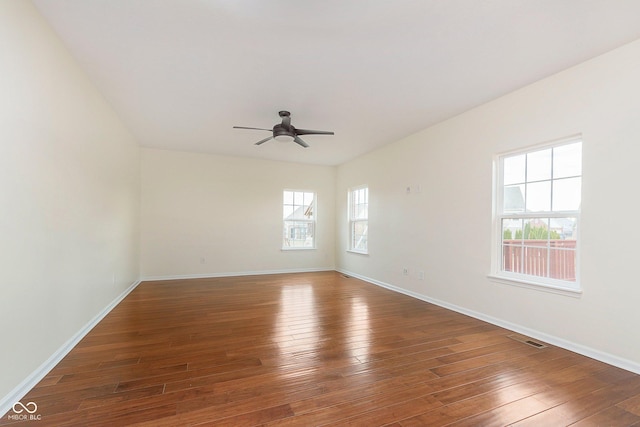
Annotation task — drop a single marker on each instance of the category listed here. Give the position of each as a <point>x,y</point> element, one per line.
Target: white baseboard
<point>551,339</point>
<point>233,274</point>
<point>7,402</point>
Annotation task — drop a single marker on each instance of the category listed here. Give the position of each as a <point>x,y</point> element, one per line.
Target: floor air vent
<point>527,341</point>
<point>346,277</point>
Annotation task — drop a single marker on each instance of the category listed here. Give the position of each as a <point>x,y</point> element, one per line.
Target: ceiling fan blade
<point>243,127</point>
<point>300,142</point>
<point>263,141</point>
<point>313,132</point>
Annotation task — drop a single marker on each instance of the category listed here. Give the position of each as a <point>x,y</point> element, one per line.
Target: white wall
<point>207,215</point>
<point>69,196</point>
<point>445,229</point>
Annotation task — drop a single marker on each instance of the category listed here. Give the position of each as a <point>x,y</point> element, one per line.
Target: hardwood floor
<point>317,349</point>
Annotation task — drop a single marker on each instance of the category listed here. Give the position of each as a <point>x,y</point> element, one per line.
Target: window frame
<point>353,222</point>
<point>313,221</point>
<point>558,286</point>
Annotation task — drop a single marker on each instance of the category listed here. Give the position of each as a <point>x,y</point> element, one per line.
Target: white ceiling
<point>181,73</point>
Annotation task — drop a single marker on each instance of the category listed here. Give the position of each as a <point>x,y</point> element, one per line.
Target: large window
<point>299,218</point>
<point>359,219</point>
<point>538,215</point>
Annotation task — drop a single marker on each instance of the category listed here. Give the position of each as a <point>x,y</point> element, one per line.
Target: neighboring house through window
<point>299,217</point>
<point>359,219</point>
<point>538,215</point>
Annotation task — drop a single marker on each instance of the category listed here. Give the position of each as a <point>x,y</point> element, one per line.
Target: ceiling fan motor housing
<point>280,133</point>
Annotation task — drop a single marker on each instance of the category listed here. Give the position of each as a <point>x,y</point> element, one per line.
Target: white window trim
<point>354,251</point>
<point>560,287</point>
<point>538,286</point>
<point>351,221</point>
<point>314,221</point>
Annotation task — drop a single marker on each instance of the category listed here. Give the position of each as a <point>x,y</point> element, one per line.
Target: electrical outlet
<point>405,271</point>
<point>202,260</point>
<point>420,275</point>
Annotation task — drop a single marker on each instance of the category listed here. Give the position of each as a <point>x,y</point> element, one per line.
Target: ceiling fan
<point>286,132</point>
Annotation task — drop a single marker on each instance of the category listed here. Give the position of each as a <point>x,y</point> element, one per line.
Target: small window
<point>359,219</point>
<point>538,215</point>
<point>299,219</point>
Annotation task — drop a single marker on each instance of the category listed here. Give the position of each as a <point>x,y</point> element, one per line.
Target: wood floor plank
<point>631,405</point>
<point>252,418</point>
<point>586,405</point>
<point>480,404</point>
<point>613,416</point>
<point>316,349</point>
<point>504,415</point>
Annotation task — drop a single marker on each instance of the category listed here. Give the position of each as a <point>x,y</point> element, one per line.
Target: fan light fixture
<point>283,138</point>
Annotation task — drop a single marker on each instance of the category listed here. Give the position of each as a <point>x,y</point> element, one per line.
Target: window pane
<point>512,231</point>
<point>298,212</point>
<point>514,169</point>
<point>361,195</point>
<point>512,258</point>
<point>539,165</point>
<point>513,198</point>
<point>361,212</point>
<point>287,211</point>
<point>566,194</point>
<point>535,261</point>
<point>308,199</point>
<point>536,229</point>
<point>357,196</point>
<point>298,234</point>
<point>538,198</point>
<point>288,197</point>
<point>307,211</point>
<point>562,261</point>
<point>567,160</point>
<point>565,229</point>
<point>309,206</point>
<point>360,231</point>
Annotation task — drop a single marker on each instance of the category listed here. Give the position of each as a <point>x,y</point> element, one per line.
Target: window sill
<point>538,286</point>
<point>297,249</point>
<point>357,252</point>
